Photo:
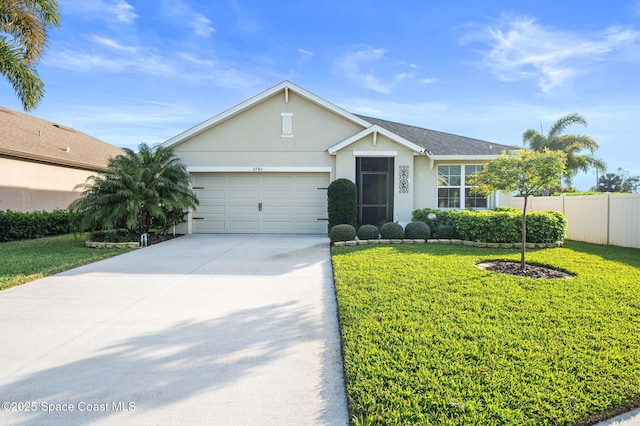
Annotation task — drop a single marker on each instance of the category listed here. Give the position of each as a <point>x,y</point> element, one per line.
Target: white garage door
<point>261,202</point>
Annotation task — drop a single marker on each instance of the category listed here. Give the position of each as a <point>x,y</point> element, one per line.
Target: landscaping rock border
<point>95,244</point>
<point>152,239</point>
<point>445,241</point>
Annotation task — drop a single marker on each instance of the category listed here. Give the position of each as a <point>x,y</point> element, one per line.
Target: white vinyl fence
<point>601,219</point>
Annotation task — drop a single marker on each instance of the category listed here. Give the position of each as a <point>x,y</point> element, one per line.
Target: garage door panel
<point>249,211</point>
<point>291,202</point>
<point>307,211</point>
<point>207,180</point>
<point>243,195</point>
<point>277,195</point>
<point>213,209</point>
<point>243,181</point>
<point>278,226</point>
<point>243,226</point>
<point>311,195</point>
<point>279,211</point>
<point>311,227</point>
<point>209,226</point>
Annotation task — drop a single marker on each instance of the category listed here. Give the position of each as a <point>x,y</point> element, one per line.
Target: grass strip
<point>28,260</point>
<point>428,338</point>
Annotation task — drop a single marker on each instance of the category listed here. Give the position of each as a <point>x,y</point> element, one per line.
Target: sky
<point>128,71</point>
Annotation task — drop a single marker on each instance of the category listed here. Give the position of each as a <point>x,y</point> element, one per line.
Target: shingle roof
<point>440,143</point>
<point>27,137</point>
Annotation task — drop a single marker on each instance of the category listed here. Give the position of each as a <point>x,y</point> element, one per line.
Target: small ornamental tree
<point>342,203</point>
<point>523,172</point>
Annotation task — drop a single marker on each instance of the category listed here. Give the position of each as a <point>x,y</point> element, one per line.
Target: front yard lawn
<point>428,338</point>
<point>28,260</point>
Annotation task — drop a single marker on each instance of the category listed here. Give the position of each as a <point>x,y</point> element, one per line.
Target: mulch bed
<point>530,271</point>
<point>159,238</point>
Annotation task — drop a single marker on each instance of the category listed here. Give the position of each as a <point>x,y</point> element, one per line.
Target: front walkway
<point>203,329</point>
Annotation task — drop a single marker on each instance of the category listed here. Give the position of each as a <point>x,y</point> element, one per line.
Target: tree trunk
<point>524,234</point>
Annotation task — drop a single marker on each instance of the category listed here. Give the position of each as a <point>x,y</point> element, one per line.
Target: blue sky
<point>128,71</point>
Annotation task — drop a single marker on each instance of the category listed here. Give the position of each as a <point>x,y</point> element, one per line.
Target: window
<point>452,190</point>
<point>449,180</point>
<point>473,201</point>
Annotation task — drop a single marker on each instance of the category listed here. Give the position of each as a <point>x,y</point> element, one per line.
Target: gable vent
<point>287,124</point>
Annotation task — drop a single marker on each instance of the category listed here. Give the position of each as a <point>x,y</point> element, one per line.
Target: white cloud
<point>127,61</point>
<point>202,25</point>
<point>113,10</point>
<point>123,11</point>
<point>112,44</point>
<point>180,12</point>
<point>352,65</point>
<point>429,80</point>
<point>522,49</point>
<point>373,69</point>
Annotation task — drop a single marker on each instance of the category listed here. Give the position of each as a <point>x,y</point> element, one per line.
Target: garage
<point>260,202</point>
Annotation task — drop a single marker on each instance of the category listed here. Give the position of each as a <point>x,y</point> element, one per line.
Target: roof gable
<point>31,138</point>
<point>284,88</point>
<point>376,129</point>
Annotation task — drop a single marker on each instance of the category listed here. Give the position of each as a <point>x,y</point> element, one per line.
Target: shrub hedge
<point>342,203</point>
<point>30,225</point>
<point>447,232</point>
<point>392,231</point>
<point>503,225</point>
<point>342,232</point>
<point>368,232</point>
<point>417,230</point>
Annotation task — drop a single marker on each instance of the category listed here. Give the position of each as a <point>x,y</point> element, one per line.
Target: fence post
<point>608,216</point>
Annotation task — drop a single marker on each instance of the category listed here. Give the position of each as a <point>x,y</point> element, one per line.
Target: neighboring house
<point>41,162</point>
<point>265,165</point>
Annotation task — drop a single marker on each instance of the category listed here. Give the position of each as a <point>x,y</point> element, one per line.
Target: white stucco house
<point>264,165</point>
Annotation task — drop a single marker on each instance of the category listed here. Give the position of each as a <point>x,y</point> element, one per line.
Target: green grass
<point>28,260</point>
<point>428,338</point>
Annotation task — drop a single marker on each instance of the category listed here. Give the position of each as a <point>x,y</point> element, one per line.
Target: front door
<point>374,178</point>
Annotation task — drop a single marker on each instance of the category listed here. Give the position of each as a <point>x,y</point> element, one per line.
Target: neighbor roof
<point>439,143</point>
<point>30,138</point>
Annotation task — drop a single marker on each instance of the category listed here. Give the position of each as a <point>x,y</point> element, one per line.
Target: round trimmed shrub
<point>343,232</point>
<point>392,231</point>
<point>447,232</point>
<point>368,232</point>
<point>417,230</point>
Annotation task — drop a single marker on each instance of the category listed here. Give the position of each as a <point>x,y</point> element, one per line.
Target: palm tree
<point>138,191</point>
<point>26,23</point>
<point>573,146</point>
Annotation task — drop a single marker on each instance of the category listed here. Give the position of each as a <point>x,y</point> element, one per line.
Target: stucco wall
<point>28,186</point>
<point>254,138</point>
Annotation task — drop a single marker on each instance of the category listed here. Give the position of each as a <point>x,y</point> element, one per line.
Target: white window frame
<point>462,188</point>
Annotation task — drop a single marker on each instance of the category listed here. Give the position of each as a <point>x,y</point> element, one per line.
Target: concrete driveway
<point>203,329</point>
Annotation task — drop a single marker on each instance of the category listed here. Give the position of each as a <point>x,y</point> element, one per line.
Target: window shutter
<point>287,124</point>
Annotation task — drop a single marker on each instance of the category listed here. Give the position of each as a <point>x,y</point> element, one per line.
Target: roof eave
<point>20,155</point>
